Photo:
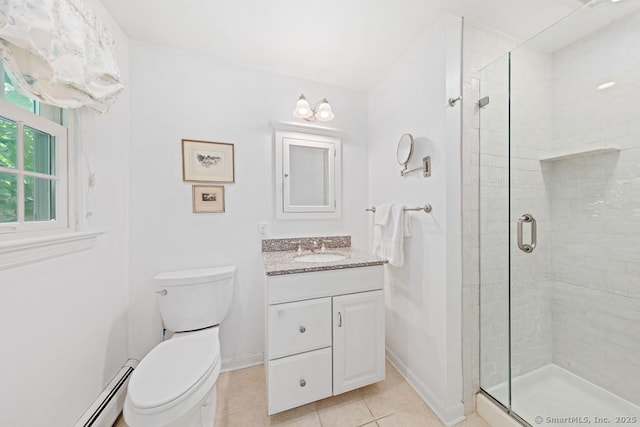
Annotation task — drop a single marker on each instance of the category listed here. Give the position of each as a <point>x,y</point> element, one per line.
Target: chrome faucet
<point>314,247</point>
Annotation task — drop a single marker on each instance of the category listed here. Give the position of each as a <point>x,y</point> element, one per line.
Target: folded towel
<point>381,215</point>
<point>388,237</point>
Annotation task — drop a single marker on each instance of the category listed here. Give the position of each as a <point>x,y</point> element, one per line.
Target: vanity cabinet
<point>324,334</point>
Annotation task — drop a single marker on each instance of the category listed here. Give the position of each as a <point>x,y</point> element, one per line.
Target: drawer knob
<point>303,383</point>
<point>303,329</point>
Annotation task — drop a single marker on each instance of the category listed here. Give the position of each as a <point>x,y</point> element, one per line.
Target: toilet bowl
<point>175,384</point>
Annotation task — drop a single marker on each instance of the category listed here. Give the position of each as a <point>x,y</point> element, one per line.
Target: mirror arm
<point>425,168</point>
<point>404,171</point>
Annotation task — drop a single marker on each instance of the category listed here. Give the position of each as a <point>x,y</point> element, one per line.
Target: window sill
<point>26,251</point>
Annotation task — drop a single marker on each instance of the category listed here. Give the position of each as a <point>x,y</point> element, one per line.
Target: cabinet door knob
<point>303,329</point>
<point>303,383</point>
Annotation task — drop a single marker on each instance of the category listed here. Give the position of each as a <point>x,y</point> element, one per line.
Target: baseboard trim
<point>235,363</point>
<point>450,416</point>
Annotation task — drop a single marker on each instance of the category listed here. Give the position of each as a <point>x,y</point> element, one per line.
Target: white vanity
<point>324,326</point>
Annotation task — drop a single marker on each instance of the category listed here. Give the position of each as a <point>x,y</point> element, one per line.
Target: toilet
<point>175,384</point>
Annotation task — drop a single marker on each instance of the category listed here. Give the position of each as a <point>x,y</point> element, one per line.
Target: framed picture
<point>207,161</point>
<point>208,199</point>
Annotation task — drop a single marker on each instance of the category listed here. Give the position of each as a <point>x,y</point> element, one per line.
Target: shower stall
<point>559,162</point>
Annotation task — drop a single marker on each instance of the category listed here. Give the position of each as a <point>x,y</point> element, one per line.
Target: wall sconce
<point>321,111</point>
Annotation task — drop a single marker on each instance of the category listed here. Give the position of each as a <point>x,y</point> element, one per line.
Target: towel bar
<point>426,208</point>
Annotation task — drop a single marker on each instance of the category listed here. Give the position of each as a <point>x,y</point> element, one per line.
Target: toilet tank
<point>194,299</point>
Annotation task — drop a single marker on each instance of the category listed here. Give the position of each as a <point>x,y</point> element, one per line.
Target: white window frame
<point>22,228</point>
<point>25,242</point>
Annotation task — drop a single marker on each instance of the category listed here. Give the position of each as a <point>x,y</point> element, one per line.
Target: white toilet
<point>175,384</point>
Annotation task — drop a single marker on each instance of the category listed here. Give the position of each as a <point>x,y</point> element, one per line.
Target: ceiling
<point>350,43</point>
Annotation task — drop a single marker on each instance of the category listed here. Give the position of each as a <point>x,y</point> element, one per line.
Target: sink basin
<point>320,257</point>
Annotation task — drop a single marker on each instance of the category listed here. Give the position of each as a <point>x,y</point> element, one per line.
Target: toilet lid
<point>172,369</point>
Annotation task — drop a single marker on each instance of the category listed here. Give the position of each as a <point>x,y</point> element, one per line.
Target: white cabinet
<point>358,340</point>
<point>308,182</point>
<point>325,337</point>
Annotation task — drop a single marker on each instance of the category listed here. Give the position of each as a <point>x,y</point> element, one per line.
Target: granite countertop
<point>281,262</point>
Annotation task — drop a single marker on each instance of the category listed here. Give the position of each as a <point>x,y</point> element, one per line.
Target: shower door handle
<point>524,247</point>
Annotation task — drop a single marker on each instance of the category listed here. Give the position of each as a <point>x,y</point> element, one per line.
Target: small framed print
<point>207,161</point>
<point>208,199</point>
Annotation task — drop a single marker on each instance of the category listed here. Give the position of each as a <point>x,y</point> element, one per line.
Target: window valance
<point>59,53</point>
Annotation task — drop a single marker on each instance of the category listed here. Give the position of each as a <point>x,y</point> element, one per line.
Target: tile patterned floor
<point>390,403</point>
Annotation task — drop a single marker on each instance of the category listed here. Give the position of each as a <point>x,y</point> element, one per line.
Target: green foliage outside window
<point>38,157</point>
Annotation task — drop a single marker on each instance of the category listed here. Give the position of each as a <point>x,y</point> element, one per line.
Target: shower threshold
<point>553,396</point>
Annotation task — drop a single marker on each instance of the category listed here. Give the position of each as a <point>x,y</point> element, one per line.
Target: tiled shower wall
<point>595,199</point>
<point>531,121</point>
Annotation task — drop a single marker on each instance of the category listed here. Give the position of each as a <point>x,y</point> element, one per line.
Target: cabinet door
<point>358,340</point>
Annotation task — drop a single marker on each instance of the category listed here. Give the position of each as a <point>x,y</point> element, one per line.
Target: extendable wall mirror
<point>404,151</point>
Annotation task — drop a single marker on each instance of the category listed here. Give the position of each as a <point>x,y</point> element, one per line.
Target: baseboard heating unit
<point>104,411</point>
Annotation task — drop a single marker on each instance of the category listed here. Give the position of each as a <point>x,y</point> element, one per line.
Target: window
<point>33,165</point>
<point>33,172</point>
<point>37,218</point>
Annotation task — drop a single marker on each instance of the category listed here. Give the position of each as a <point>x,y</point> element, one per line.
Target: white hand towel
<point>388,238</point>
<point>381,215</point>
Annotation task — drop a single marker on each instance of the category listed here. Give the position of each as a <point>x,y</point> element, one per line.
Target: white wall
<point>423,297</point>
<point>177,94</point>
<point>65,319</point>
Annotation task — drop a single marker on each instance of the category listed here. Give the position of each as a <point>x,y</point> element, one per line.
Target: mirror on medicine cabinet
<point>308,172</point>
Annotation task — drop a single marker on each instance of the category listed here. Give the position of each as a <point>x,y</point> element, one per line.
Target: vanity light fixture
<point>321,111</point>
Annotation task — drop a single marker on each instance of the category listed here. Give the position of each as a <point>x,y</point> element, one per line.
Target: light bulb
<point>302,110</point>
<point>324,112</point>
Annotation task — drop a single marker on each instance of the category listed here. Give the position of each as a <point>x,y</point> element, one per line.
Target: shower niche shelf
<point>577,152</point>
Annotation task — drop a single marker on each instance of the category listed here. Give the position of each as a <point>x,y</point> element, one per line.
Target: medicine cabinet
<point>308,180</point>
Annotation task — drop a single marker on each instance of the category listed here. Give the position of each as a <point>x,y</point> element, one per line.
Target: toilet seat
<point>175,375</point>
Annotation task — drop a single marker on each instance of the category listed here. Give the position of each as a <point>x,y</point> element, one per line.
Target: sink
<point>320,257</point>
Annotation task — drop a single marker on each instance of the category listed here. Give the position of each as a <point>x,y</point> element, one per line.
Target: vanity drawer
<point>320,284</point>
<point>298,326</point>
<point>300,379</point>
